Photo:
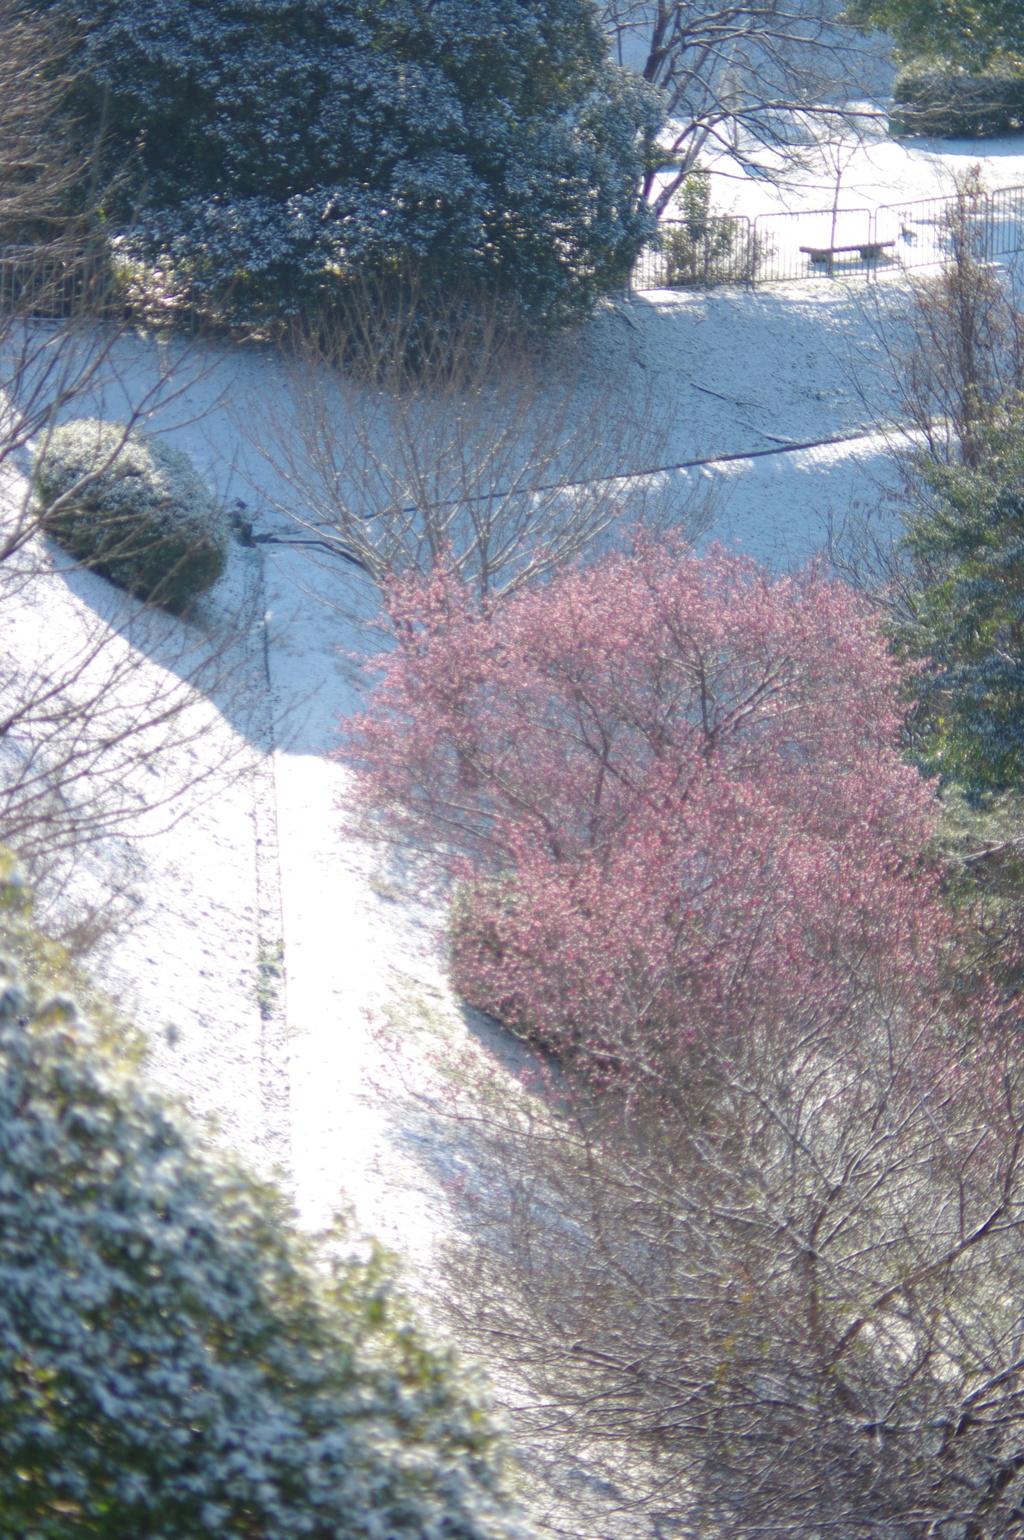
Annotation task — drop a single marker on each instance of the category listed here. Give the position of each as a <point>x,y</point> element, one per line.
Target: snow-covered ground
<point>291,985</point>
<point>288,1055</point>
<point>862,188</point>
<point>877,170</point>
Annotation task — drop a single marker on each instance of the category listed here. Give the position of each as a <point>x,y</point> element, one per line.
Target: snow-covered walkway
<point>265,948</point>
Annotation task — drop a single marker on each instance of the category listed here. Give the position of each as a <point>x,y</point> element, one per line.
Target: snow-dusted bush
<point>949,103</point>
<point>172,1362</point>
<point>705,248</point>
<point>279,148</point>
<point>132,508</point>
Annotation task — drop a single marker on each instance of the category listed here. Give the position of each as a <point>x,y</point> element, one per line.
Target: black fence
<point>52,281</point>
<point>697,252</point>
<point>67,280</point>
<point>824,243</point>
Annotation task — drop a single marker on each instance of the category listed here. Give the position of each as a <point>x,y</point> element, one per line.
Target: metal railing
<point>694,253</point>
<point>698,252</point>
<point>824,243</point>
<point>53,282</point>
<point>82,281</point>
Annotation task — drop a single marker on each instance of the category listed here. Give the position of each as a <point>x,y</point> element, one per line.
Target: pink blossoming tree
<point>754,1253</point>
<point>671,792</point>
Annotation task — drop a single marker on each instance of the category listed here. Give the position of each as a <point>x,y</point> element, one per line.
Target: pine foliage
<point>965,616</point>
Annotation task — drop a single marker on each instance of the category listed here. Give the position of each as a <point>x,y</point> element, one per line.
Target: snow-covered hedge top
<point>172,1360</point>
<point>127,472</point>
<point>132,508</point>
<point>276,147</point>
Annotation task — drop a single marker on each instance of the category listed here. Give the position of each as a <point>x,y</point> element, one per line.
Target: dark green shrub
<point>174,1361</point>
<point>964,611</point>
<point>703,249</point>
<point>952,104</point>
<point>970,33</point>
<point>277,150</point>
<point>131,508</point>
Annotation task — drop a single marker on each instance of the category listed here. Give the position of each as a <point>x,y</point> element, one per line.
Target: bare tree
<point>443,436</point>
<point>104,708</point>
<point>737,79</point>
<point>44,180</point>
<point>786,1304</point>
<point>950,351</point>
<point>963,353</point>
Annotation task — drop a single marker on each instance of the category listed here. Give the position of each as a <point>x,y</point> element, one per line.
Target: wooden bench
<point>869,251</point>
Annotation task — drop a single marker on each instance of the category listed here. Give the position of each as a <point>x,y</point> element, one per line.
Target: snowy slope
<point>293,1066</point>
<point>870,169</point>
<point>263,864</point>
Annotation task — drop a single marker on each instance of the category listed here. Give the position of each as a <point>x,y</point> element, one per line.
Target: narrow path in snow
<point>275,1080</point>
<point>265,944</point>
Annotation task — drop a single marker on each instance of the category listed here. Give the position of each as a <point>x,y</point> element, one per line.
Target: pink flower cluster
<point>671,789</point>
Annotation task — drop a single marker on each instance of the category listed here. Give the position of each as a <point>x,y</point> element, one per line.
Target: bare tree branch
<point>791,1309</point>
<point>739,79</point>
<point>443,438</point>
<point>105,710</point>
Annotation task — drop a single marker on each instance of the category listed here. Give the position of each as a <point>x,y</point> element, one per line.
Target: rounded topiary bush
<point>174,1361</point>
<point>132,508</point>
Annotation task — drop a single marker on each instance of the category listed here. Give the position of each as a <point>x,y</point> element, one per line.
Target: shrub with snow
<point>706,248</point>
<point>132,508</point>
<point>949,103</point>
<point>963,545</point>
<point>172,1361</point>
<point>279,149</point>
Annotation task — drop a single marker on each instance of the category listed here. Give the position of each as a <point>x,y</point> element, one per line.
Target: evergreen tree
<point>279,145</point>
<point>968,33</point>
<point>174,1359</point>
<point>965,616</point>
